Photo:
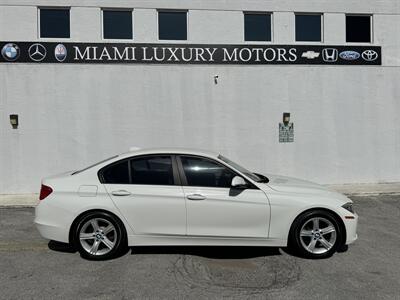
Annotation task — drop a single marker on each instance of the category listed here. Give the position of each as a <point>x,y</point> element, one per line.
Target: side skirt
<point>171,240</point>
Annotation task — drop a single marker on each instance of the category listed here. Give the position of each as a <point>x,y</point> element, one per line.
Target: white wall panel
<point>345,129</point>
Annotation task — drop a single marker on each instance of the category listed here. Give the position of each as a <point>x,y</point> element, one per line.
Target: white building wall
<point>346,117</point>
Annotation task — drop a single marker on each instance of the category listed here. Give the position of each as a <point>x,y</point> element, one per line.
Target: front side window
<point>54,23</point>
<point>308,28</point>
<point>117,24</point>
<point>358,29</point>
<point>257,27</point>
<point>172,25</point>
<point>117,173</point>
<point>154,170</point>
<point>205,172</point>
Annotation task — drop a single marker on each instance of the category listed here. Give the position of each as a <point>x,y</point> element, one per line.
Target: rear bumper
<point>52,232</point>
<point>351,229</point>
<point>49,226</point>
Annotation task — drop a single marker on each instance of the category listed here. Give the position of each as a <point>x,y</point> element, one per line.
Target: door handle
<point>120,193</point>
<point>196,197</point>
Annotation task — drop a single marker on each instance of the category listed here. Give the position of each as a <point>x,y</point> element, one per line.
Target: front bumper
<point>351,229</point>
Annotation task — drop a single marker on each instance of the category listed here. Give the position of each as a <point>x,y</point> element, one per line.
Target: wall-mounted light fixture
<point>286,118</point>
<point>14,121</point>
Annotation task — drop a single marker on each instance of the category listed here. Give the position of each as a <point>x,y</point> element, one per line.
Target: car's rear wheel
<point>315,234</point>
<point>99,236</point>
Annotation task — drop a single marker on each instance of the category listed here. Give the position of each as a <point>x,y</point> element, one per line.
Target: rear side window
<point>154,170</point>
<point>117,173</point>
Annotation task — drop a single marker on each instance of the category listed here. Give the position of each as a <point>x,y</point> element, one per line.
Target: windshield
<point>240,168</point>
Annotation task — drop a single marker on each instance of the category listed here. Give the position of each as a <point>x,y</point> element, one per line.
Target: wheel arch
<point>82,214</point>
<point>332,212</point>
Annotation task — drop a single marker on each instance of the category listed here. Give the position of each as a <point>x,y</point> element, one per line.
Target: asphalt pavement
<point>33,268</point>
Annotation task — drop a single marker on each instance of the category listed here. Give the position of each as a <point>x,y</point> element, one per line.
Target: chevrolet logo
<point>310,54</point>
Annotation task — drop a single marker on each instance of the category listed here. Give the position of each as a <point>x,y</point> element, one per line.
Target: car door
<point>214,208</point>
<point>147,191</point>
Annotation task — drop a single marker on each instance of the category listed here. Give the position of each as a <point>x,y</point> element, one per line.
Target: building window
<point>358,29</point>
<point>54,23</point>
<point>172,25</point>
<point>308,28</point>
<point>117,24</point>
<point>257,27</point>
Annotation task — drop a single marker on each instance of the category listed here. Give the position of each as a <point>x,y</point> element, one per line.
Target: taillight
<point>45,191</point>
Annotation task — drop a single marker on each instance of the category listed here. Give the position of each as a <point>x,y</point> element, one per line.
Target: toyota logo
<point>369,55</point>
<point>37,52</point>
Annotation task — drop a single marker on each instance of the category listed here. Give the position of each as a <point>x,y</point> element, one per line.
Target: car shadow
<point>214,252</point>
<point>61,247</point>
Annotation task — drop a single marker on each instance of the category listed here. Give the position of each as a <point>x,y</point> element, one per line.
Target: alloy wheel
<point>318,235</point>
<point>98,236</point>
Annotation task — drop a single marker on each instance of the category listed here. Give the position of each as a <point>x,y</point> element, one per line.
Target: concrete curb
<point>363,189</point>
<point>31,200</point>
<point>19,200</point>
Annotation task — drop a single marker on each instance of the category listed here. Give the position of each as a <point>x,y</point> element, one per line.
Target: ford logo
<point>349,55</point>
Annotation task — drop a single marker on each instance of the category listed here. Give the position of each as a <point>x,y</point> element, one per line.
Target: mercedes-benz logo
<point>369,55</point>
<point>37,52</point>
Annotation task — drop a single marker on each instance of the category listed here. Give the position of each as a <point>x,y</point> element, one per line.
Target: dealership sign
<point>38,52</point>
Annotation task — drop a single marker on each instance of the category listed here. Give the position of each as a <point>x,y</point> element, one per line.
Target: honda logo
<point>330,55</point>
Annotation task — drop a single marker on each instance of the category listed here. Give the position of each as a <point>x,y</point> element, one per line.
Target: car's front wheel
<point>315,234</point>
<point>99,235</point>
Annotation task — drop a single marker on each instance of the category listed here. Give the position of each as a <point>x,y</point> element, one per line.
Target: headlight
<point>349,207</point>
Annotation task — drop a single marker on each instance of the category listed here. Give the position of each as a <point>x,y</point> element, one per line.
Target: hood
<point>294,185</point>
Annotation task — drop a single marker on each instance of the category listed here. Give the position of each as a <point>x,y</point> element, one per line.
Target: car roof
<point>137,151</point>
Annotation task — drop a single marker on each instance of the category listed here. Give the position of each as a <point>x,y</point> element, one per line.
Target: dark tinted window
<point>54,23</point>
<point>172,25</point>
<point>358,29</point>
<point>257,27</point>
<point>308,28</point>
<point>156,170</point>
<point>117,173</point>
<point>117,24</point>
<point>205,172</point>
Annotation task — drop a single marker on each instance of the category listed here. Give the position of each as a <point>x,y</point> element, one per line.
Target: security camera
<point>216,79</point>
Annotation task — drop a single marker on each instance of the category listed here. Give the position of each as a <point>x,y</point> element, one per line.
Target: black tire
<point>117,236</point>
<point>298,243</point>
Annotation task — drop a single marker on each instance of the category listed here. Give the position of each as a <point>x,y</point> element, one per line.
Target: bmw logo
<point>60,52</point>
<point>10,52</point>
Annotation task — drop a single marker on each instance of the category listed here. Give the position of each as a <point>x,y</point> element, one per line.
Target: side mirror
<point>238,182</point>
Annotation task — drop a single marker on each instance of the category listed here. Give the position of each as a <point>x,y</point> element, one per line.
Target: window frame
<point>321,14</point>
<point>131,10</point>
<point>371,28</point>
<point>39,33</point>
<point>176,178</point>
<point>271,14</point>
<point>184,181</point>
<point>186,11</point>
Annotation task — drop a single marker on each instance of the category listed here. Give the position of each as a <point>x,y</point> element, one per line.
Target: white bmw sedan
<point>189,197</point>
